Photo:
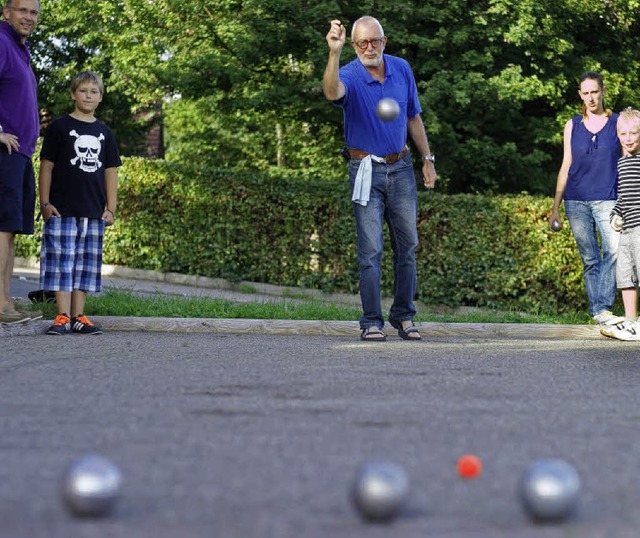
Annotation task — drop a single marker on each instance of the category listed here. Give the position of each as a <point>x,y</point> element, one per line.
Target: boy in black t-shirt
<point>78,191</point>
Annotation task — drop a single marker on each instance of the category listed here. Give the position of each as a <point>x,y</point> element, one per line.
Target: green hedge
<point>282,229</point>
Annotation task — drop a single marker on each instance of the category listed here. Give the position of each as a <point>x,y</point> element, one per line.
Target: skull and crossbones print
<point>87,148</point>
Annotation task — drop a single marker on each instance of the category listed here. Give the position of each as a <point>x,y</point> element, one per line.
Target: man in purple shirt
<point>380,167</point>
<point>19,131</point>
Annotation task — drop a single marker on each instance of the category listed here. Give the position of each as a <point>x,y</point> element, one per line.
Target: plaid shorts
<point>71,254</point>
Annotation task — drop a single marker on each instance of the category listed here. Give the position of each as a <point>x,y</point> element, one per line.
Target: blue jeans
<point>393,199</point>
<point>599,266</point>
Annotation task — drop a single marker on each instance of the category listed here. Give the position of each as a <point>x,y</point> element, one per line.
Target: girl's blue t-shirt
<point>593,174</point>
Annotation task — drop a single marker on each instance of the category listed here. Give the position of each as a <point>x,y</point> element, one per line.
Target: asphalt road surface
<point>260,435</point>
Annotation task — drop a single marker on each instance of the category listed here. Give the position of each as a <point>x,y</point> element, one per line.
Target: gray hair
<point>9,3</point>
<point>367,19</point>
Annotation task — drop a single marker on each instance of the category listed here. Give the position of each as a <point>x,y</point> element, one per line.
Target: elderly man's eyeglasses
<point>23,11</point>
<point>363,44</point>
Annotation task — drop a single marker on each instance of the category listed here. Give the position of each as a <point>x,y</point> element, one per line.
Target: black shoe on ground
<point>82,325</point>
<point>61,325</point>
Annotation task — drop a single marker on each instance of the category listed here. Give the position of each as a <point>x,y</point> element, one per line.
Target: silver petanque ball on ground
<point>380,490</point>
<point>91,486</point>
<point>550,490</point>
<point>388,109</point>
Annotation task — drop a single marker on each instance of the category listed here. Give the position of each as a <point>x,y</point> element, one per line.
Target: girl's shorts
<point>628,259</point>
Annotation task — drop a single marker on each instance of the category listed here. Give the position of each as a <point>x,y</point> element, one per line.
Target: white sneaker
<point>607,318</point>
<point>627,330</point>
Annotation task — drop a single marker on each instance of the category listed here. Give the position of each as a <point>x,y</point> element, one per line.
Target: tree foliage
<point>240,80</point>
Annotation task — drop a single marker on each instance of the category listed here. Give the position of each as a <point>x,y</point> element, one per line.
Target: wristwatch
<point>431,158</point>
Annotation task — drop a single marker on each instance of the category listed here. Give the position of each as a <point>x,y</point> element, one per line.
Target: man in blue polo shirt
<point>380,167</point>
<point>19,131</point>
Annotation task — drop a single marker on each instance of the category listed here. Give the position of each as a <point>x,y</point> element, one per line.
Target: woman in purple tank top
<point>587,182</point>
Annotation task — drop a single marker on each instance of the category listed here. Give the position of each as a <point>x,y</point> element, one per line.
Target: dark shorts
<point>17,193</point>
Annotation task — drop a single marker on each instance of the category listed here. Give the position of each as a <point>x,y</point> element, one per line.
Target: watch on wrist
<point>431,158</point>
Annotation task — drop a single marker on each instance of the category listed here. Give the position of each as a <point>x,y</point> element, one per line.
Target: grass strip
<point>124,303</point>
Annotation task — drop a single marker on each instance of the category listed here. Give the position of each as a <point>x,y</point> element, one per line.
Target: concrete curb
<point>314,328</point>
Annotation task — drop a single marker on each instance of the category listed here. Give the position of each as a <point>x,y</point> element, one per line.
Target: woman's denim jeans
<point>599,266</point>
<point>393,199</point>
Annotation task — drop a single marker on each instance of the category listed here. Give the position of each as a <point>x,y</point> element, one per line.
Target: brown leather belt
<point>389,159</point>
